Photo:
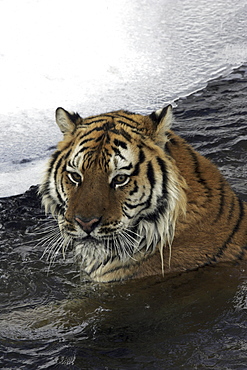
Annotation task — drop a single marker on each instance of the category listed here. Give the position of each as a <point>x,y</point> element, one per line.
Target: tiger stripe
<point>198,172</point>
<point>235,229</point>
<point>136,188</point>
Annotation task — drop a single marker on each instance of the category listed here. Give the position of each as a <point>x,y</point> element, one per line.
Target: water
<point>100,56</point>
<point>152,324</point>
<point>163,51</point>
<point>194,320</point>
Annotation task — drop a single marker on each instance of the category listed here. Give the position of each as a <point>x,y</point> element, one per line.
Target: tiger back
<point>134,199</point>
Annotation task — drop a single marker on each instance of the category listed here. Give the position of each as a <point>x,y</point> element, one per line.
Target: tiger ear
<point>66,121</point>
<point>162,120</point>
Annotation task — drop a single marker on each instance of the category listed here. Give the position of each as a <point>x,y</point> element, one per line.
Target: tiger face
<point>115,192</point>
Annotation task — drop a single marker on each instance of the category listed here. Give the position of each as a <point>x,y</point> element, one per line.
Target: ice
<point>19,180</point>
<point>99,56</point>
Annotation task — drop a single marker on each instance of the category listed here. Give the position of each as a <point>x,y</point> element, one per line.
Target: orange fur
<point>110,166</point>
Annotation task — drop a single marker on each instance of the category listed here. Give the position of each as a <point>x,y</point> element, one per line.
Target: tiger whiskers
<point>52,249</point>
<point>51,238</point>
<point>130,243</point>
<point>120,247</point>
<point>126,244</point>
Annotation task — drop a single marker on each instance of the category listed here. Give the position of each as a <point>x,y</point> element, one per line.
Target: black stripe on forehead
<point>109,121</point>
<point>85,140</point>
<point>118,153</point>
<point>113,115</point>
<point>100,135</point>
<point>120,143</point>
<point>94,129</point>
<point>91,143</point>
<point>134,128</point>
<point>125,134</point>
<point>90,121</point>
<point>106,122</point>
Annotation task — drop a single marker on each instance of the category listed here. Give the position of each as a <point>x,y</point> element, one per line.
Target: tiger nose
<point>88,225</point>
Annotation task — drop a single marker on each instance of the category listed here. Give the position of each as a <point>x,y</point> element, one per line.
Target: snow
<point>99,56</point>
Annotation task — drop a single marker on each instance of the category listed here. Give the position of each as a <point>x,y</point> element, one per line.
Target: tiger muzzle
<point>88,225</point>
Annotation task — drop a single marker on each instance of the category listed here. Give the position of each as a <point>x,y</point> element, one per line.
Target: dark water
<point>196,320</point>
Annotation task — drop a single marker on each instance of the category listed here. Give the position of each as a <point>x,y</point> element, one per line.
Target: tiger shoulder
<point>134,199</point>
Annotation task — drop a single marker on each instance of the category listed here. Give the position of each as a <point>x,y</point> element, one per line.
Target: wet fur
<point>187,216</point>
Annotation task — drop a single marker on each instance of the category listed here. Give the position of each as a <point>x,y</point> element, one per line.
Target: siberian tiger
<point>134,199</point>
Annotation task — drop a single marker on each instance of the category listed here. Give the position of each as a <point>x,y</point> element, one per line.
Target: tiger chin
<point>133,199</point>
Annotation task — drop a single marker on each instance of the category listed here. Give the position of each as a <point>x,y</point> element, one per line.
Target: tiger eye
<point>74,177</point>
<point>120,180</point>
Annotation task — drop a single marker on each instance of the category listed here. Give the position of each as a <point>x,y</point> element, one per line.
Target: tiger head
<point>115,192</point>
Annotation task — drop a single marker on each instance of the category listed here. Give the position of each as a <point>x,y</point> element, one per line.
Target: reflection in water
<point>184,319</point>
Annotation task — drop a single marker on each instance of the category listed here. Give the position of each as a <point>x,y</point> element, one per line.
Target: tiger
<point>133,199</point>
